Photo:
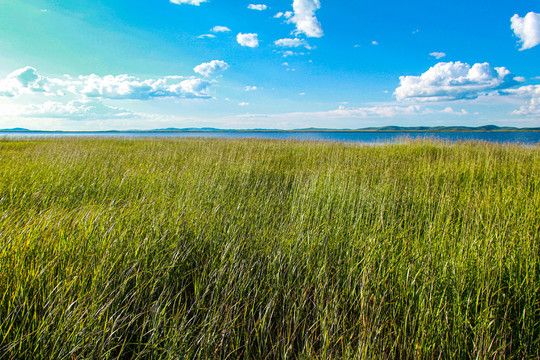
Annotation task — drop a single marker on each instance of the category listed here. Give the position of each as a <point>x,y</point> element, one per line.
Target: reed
<point>255,249</point>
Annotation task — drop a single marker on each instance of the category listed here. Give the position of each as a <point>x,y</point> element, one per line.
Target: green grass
<point>252,249</point>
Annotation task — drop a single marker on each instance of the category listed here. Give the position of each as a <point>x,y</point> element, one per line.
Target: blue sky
<point>97,65</point>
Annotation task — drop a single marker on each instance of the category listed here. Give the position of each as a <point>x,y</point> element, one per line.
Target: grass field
<point>253,249</point>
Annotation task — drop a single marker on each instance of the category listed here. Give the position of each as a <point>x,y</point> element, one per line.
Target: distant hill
<point>207,129</point>
<point>185,129</point>
<point>485,128</point>
<point>15,130</point>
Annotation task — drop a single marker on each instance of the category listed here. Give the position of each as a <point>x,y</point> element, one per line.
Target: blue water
<point>528,138</point>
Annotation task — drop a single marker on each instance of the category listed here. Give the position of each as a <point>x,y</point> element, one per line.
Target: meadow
<point>262,249</point>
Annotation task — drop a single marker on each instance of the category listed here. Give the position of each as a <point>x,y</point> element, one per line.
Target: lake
<point>527,138</point>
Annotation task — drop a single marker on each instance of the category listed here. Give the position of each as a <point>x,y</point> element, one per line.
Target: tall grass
<point>252,249</point>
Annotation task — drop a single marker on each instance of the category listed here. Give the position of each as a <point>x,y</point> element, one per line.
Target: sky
<point>278,64</point>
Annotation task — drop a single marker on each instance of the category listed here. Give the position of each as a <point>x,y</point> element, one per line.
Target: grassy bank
<point>251,249</point>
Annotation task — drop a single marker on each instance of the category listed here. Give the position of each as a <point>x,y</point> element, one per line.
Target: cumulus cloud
<point>251,88</point>
<point>437,55</point>
<point>453,81</point>
<point>189,2</point>
<point>304,17</point>
<point>292,43</point>
<point>218,29</point>
<point>259,7</point>
<point>248,40</point>
<point>531,92</point>
<point>27,80</point>
<point>129,87</point>
<point>211,67</point>
<point>527,29</point>
<point>23,81</point>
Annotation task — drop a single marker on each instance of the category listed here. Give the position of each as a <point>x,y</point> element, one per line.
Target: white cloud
<point>304,17</point>
<point>259,7</point>
<point>76,109</point>
<point>211,67</point>
<point>251,88</point>
<point>531,92</point>
<point>23,81</point>
<point>292,43</point>
<point>527,29</point>
<point>204,36</point>
<point>286,15</point>
<point>453,81</point>
<point>189,2</point>
<point>344,114</point>
<point>129,87</point>
<point>243,104</point>
<point>249,40</point>
<point>27,80</point>
<point>218,29</point>
<point>437,55</point>
<point>87,109</point>
<point>288,53</point>
<point>374,43</point>
<point>390,111</point>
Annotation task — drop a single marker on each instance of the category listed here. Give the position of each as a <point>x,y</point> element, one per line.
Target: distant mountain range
<point>485,128</point>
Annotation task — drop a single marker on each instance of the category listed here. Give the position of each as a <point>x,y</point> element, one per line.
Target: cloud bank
<point>27,81</point>
<point>453,81</point>
<point>84,109</point>
<point>76,109</point>
<point>361,113</point>
<point>527,29</point>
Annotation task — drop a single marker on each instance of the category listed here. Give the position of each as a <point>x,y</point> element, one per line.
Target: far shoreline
<point>263,131</point>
